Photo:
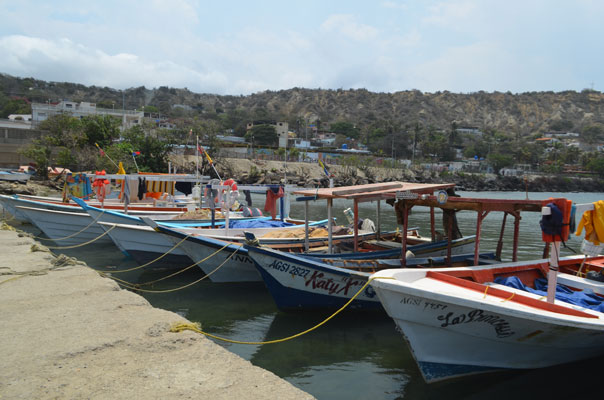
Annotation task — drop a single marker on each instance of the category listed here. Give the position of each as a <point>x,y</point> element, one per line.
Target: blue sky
<point>242,47</point>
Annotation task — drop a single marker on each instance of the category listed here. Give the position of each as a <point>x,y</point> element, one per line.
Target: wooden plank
<point>367,188</point>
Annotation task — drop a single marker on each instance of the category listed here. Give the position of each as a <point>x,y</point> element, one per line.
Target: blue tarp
<point>585,298</point>
<point>254,223</point>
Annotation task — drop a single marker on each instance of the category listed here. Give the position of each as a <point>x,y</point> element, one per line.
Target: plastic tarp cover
<point>259,224</point>
<point>584,298</point>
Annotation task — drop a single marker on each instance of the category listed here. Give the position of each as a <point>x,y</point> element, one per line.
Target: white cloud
<point>64,60</point>
<point>346,25</point>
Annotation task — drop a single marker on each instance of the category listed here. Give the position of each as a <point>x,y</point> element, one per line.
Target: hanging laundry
<point>185,188</point>
<point>271,198</point>
<point>593,222</point>
<point>142,188</point>
<point>248,197</point>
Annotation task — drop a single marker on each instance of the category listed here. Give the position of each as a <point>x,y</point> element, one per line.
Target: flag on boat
<point>202,151</point>
<point>100,150</point>
<point>136,153</point>
<point>325,170</point>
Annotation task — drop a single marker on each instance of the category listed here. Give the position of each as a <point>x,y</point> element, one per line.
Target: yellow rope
<point>82,244</point>
<point>132,286</point>
<point>13,278</point>
<point>486,289</point>
<point>73,234</point>
<point>509,298</point>
<point>195,327</point>
<point>150,262</point>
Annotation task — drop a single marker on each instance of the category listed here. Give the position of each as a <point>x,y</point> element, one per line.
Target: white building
<point>43,111</point>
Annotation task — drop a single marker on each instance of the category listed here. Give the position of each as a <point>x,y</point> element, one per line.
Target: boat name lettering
<point>434,306</point>
<point>318,281</point>
<point>411,300</point>
<point>291,269</point>
<point>243,259</point>
<point>502,327</point>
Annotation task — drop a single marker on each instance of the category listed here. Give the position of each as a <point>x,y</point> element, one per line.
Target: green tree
<point>592,133</point>
<point>40,152</point>
<point>13,106</point>
<point>562,125</point>
<point>345,128</point>
<point>596,165</point>
<point>263,135</point>
<point>101,129</point>
<point>499,161</point>
<point>154,151</point>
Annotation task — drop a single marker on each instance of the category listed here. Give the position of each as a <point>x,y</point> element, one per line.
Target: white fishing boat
<point>14,176</point>
<point>460,321</point>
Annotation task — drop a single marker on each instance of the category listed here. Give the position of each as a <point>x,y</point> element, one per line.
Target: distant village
<point>310,144</point>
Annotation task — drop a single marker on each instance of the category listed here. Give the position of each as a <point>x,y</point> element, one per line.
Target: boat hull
<point>452,336</point>
<point>66,228</point>
<point>298,283</point>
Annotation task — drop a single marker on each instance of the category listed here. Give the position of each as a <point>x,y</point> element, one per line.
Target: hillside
<point>519,114</point>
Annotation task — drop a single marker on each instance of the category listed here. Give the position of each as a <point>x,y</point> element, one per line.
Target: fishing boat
<point>241,268</point>
<point>463,321</point>
<point>518,315</point>
<point>14,176</point>
<point>299,282</point>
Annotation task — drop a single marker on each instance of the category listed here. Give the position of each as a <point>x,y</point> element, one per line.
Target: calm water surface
<point>355,355</point>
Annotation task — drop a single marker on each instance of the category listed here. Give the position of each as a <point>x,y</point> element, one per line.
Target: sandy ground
<point>67,333</point>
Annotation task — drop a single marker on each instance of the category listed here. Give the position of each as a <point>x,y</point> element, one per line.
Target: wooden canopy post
<point>481,216</point>
<point>449,235</point>
<point>329,226</point>
<point>306,244</point>
<point>432,224</point>
<point>378,221</point>
<point>404,235</point>
<point>356,225</point>
<point>517,219</point>
<point>500,242</point>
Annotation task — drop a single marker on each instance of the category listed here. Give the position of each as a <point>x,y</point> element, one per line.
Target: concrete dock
<point>68,333</point>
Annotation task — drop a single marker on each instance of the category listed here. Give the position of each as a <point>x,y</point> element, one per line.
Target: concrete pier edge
<point>67,332</point>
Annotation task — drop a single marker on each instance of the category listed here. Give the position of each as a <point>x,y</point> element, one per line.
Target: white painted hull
<point>66,228</point>
<point>454,332</point>
<point>136,238</point>
<point>238,268</point>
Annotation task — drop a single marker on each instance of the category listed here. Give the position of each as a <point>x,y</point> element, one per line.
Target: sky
<point>243,47</point>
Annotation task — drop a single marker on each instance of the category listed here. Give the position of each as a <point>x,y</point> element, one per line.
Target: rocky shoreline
<point>312,175</point>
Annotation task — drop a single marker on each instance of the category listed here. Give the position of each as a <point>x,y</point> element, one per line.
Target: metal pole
<point>306,226</point>
<point>329,226</point>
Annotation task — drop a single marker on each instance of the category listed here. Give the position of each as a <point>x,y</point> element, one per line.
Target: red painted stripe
<point>517,298</point>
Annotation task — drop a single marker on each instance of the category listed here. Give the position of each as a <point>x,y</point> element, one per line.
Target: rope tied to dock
<point>196,326</point>
<point>136,286</point>
<point>150,262</point>
<point>73,234</point>
<point>82,244</point>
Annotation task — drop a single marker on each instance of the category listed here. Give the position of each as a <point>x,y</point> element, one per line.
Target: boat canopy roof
<point>475,204</point>
<point>372,191</point>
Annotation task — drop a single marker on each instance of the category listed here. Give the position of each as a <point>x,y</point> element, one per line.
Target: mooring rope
<point>94,220</point>
<point>135,286</point>
<point>196,327</point>
<point>82,244</point>
<point>150,262</point>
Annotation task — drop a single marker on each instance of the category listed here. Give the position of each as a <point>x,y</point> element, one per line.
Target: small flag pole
<point>103,154</point>
<point>203,151</point>
<point>135,164</point>
<point>197,159</point>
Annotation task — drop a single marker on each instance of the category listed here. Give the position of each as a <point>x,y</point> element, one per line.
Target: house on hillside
<point>43,111</point>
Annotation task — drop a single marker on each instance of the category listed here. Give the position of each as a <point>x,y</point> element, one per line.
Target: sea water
<point>356,355</point>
